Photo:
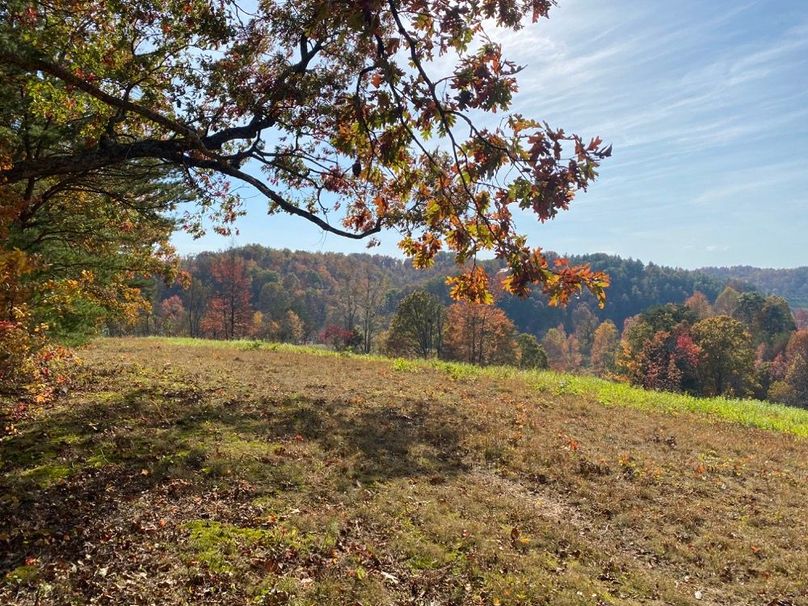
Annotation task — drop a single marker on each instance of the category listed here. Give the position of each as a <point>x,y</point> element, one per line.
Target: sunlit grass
<point>752,413</point>
<point>274,474</point>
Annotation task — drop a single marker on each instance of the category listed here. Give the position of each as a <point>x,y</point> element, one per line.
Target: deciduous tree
<point>292,329</point>
<point>172,314</point>
<point>325,108</point>
<point>792,384</point>
<point>232,285</point>
<point>670,360</point>
<point>727,301</point>
<point>776,324</point>
<point>531,353</point>
<point>700,305</point>
<point>371,297</point>
<point>726,359</point>
<point>657,350</point>
<point>563,351</point>
<point>417,327</point>
<point>479,334</point>
<point>340,338</point>
<point>604,348</point>
<point>215,320</point>
<point>197,296</point>
<point>584,321</point>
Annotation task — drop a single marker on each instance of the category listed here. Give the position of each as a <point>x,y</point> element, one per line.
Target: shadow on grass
<point>67,477</point>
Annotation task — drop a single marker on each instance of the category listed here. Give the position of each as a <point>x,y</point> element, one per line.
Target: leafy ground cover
<point>249,474</point>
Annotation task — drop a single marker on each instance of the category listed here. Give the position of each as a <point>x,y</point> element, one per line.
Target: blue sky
<point>706,104</point>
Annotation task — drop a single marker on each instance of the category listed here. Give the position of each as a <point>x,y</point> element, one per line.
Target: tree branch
<point>31,63</point>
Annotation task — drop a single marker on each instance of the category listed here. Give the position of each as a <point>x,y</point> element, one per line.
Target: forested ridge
<point>310,283</point>
<point>791,283</point>
<point>313,284</point>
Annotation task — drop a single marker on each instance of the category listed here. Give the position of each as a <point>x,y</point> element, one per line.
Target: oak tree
<point>334,111</point>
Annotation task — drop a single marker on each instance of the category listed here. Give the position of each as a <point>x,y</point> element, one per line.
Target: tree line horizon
<point>689,332</point>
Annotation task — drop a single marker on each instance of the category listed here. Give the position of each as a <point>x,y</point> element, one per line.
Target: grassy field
<point>182,472</point>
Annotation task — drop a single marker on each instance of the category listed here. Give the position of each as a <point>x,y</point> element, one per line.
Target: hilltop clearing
<point>254,474</point>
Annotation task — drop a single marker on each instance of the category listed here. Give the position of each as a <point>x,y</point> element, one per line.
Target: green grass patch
<point>22,575</point>
<point>751,413</point>
<point>748,412</point>
<point>246,345</point>
<point>227,548</point>
<point>224,547</point>
<point>45,476</point>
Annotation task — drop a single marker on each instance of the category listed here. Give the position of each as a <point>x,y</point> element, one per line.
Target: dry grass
<point>230,475</point>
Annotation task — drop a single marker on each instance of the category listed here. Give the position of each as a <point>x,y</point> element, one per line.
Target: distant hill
<point>791,284</point>
<point>635,286</point>
<point>314,285</point>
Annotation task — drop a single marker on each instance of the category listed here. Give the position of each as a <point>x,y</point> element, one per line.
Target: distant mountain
<point>791,284</point>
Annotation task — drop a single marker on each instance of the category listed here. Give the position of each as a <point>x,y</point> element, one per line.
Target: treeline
<point>320,289</point>
<point>278,294</point>
<point>740,344</point>
<point>662,328</point>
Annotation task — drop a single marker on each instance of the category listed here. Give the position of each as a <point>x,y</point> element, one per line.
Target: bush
<point>341,339</point>
<point>30,367</point>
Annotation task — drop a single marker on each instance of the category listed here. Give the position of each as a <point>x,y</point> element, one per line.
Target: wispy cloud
<point>706,104</point>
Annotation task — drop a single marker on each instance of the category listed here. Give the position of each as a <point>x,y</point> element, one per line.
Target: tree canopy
<point>334,111</point>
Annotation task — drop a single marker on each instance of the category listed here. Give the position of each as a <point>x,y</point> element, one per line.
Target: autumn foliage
<point>378,304</point>
<point>31,367</point>
<point>334,105</point>
<point>228,315</point>
<point>479,334</point>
